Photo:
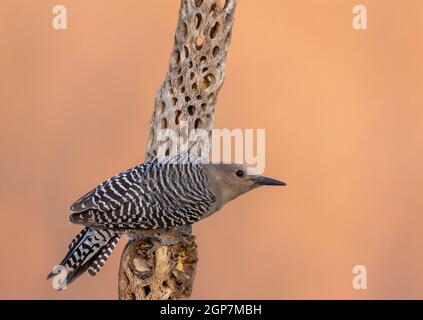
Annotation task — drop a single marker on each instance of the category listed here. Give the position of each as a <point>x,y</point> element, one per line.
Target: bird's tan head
<point>229,181</point>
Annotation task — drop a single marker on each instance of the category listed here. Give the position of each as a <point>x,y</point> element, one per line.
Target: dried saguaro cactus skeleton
<point>196,71</point>
<point>161,264</point>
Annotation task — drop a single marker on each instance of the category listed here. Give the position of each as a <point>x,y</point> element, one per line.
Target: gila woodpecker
<point>158,194</point>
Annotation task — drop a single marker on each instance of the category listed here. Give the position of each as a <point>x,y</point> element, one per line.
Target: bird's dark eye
<point>239,173</point>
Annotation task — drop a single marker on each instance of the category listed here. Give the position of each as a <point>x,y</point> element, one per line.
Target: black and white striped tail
<point>89,250</point>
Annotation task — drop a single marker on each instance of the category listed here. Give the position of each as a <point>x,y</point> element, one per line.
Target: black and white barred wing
<point>113,193</point>
<point>150,196</point>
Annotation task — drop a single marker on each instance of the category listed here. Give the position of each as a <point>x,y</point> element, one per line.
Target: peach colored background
<point>343,113</point>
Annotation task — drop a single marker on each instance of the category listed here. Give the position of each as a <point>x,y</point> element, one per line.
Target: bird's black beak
<point>265,181</point>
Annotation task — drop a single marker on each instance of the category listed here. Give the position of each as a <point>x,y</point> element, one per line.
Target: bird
<point>161,193</point>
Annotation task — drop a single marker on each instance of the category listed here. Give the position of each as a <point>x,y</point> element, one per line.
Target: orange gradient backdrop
<point>343,113</point>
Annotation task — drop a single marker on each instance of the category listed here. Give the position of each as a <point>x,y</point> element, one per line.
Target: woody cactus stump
<point>161,264</point>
